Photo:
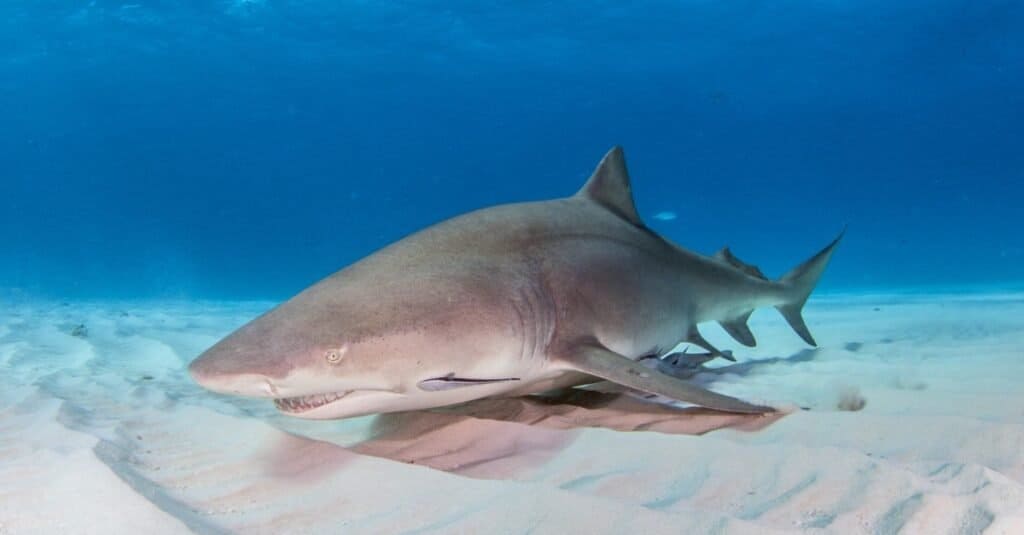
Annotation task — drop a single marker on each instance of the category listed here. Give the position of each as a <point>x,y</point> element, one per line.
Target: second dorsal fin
<point>725,255</point>
<point>609,186</point>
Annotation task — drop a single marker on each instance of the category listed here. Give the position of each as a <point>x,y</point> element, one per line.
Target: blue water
<point>244,149</point>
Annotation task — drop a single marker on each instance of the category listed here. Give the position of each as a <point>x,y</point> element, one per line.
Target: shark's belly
<point>552,381</point>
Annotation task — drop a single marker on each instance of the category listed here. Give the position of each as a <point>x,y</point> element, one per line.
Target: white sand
<point>106,434</point>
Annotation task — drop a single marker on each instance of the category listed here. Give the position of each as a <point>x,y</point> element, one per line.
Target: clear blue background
<point>245,149</point>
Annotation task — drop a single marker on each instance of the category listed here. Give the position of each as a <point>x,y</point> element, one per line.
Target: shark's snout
<point>210,371</point>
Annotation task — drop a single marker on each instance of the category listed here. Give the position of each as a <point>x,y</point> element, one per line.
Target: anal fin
<point>738,329</point>
<point>595,360</point>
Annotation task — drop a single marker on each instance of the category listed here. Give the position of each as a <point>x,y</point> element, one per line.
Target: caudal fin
<point>800,282</point>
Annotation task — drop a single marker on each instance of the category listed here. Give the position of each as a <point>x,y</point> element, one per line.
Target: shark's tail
<point>799,284</point>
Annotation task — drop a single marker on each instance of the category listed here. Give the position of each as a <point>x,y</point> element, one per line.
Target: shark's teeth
<point>305,403</point>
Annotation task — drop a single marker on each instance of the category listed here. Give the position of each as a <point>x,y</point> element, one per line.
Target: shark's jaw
<point>363,401</point>
<point>297,405</point>
<point>344,403</point>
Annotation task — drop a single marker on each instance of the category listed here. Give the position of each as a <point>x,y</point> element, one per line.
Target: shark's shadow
<point>746,367</point>
<point>507,438</point>
<point>501,438</point>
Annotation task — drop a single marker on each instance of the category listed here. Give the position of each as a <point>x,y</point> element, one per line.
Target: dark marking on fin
<point>694,337</point>
<point>738,329</point>
<point>450,381</point>
<point>725,255</point>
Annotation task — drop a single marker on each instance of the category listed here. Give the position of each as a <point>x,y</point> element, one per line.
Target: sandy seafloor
<point>105,433</point>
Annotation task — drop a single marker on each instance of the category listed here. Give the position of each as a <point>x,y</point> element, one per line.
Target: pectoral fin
<point>600,362</point>
<point>450,381</point>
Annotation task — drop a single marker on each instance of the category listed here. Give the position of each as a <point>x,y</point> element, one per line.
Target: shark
<point>511,300</point>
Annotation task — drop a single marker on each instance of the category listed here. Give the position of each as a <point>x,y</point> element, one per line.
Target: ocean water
<point>170,170</point>
<point>245,148</point>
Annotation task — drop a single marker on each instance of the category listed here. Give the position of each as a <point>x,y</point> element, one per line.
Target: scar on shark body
<point>506,301</point>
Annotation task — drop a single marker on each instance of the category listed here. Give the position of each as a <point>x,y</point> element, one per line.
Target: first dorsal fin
<point>725,255</point>
<point>609,186</point>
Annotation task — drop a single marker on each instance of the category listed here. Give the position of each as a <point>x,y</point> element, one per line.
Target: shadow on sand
<point>500,438</point>
<point>746,367</point>
<point>506,438</point>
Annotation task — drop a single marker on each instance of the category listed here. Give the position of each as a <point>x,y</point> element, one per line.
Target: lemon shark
<point>510,300</point>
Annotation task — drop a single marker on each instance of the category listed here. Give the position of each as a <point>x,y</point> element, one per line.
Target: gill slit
<point>545,324</point>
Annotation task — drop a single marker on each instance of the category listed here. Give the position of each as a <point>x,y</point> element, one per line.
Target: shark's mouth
<point>307,403</point>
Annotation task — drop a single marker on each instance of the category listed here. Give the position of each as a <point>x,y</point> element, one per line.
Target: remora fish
<point>505,301</point>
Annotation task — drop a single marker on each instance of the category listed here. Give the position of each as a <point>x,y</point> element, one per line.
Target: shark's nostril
<point>270,388</point>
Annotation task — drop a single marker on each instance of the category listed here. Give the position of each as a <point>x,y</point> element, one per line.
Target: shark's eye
<point>333,356</point>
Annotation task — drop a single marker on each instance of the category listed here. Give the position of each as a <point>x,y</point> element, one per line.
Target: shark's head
<point>355,344</point>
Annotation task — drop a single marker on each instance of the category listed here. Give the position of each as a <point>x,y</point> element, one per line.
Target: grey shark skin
<point>504,301</point>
